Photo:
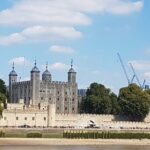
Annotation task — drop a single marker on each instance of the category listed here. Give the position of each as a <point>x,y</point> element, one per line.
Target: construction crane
<point>135,74</point>
<point>132,78</point>
<point>141,85</point>
<point>124,70</point>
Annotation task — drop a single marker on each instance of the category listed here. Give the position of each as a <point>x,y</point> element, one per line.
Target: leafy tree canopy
<point>99,100</point>
<point>2,87</point>
<point>134,102</point>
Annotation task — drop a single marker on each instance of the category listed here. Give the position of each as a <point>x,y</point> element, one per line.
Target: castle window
<point>57,99</point>
<point>66,93</point>
<point>41,98</point>
<point>25,118</point>
<point>44,118</point>
<point>17,118</point>
<point>73,93</point>
<point>58,92</point>
<point>73,99</point>
<point>57,108</point>
<point>65,108</point>
<point>73,108</point>
<point>33,118</point>
<point>65,99</point>
<point>49,98</point>
<point>5,118</point>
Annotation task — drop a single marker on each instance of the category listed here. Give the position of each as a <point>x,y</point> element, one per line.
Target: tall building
<point>82,92</point>
<point>39,92</point>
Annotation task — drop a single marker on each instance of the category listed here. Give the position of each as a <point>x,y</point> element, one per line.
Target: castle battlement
<point>21,83</point>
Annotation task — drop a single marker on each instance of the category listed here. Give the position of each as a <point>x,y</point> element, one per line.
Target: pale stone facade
<point>34,117</point>
<point>37,92</point>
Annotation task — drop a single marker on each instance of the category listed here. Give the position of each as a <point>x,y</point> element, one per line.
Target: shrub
<point>105,135</point>
<point>34,135</point>
<point>2,134</point>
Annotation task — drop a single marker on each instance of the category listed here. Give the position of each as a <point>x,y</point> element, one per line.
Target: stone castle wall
<point>47,118</point>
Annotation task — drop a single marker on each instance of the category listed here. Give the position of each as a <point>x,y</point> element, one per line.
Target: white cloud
<point>124,7</point>
<point>70,12</point>
<point>140,64</point>
<point>53,19</point>
<point>41,33</point>
<point>61,49</point>
<point>11,39</point>
<point>58,66</point>
<point>20,61</point>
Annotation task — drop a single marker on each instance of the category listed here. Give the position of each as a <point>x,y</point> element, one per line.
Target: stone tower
<point>51,111</point>
<point>35,85</point>
<point>46,76</point>
<point>12,79</point>
<point>71,74</point>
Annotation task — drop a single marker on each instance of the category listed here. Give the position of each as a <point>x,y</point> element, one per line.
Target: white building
<point>40,93</point>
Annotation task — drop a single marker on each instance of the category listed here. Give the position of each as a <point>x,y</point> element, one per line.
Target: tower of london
<point>41,91</point>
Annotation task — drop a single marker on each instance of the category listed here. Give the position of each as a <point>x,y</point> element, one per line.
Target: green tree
<point>2,98</point>
<point>3,94</point>
<point>98,100</point>
<point>134,102</point>
<point>2,87</point>
<point>2,101</point>
<point>115,105</point>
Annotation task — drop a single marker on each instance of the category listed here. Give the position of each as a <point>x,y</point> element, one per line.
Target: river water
<point>122,147</point>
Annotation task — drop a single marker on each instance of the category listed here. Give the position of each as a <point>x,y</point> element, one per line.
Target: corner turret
<point>71,74</point>
<point>35,85</point>
<point>12,79</point>
<point>46,76</point>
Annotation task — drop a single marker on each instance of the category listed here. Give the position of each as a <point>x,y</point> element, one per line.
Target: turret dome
<point>46,76</point>
<point>71,70</point>
<point>13,72</point>
<point>35,69</point>
<point>71,74</point>
<point>46,72</point>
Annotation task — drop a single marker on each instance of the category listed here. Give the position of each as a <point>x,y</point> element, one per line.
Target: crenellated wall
<point>48,118</point>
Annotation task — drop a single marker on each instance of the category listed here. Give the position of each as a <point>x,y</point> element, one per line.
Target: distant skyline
<point>90,32</point>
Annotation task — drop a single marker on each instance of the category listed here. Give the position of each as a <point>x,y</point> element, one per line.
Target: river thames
<point>103,147</point>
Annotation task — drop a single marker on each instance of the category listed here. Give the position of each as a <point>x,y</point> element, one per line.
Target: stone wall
<point>45,118</point>
<point>19,118</point>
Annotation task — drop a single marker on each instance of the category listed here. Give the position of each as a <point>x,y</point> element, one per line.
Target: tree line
<point>132,102</point>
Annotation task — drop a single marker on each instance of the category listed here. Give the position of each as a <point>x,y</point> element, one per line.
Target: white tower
<point>71,74</point>
<point>35,85</point>
<point>12,79</point>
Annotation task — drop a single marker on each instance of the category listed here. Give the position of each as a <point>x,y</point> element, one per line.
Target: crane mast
<point>124,70</point>
<point>135,75</point>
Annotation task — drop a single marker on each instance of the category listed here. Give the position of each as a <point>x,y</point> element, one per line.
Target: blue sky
<point>89,31</point>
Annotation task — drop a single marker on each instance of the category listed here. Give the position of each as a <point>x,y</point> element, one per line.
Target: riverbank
<point>41,141</point>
